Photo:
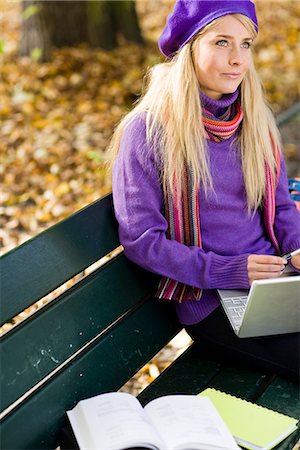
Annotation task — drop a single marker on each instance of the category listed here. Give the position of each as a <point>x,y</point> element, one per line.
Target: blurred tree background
<point>69,70</point>
<point>59,23</point>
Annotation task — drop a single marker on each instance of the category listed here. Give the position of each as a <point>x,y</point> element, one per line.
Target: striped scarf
<point>225,126</point>
<point>182,211</point>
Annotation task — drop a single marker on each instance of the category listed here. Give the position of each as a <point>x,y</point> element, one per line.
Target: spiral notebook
<point>254,427</point>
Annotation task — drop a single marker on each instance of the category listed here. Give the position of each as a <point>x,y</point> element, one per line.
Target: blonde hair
<point>175,129</point>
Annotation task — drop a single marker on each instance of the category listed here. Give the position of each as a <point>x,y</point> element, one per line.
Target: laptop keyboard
<point>235,306</point>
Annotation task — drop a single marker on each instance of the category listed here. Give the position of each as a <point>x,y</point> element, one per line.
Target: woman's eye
<point>222,43</point>
<point>246,45</point>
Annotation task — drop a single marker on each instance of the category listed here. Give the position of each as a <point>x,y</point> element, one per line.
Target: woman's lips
<point>231,75</point>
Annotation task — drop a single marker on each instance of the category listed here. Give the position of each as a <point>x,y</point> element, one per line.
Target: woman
<point>199,183</point>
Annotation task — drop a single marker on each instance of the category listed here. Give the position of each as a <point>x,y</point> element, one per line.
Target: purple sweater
<point>229,235</point>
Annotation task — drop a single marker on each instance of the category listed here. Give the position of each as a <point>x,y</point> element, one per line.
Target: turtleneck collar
<point>218,107</point>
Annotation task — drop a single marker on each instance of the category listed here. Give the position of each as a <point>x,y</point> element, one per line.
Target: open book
<point>117,421</point>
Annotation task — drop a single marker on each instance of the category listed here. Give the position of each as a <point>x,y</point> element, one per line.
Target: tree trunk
<point>101,24</point>
<point>67,21</point>
<point>107,19</point>
<point>126,21</point>
<point>61,23</point>
<point>35,35</point>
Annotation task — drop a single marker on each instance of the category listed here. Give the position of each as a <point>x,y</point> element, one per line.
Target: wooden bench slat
<point>195,370</point>
<point>240,381</point>
<point>189,374</point>
<point>50,337</point>
<point>283,396</point>
<point>120,354</point>
<point>40,265</point>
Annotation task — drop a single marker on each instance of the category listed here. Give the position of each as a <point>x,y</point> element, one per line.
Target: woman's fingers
<point>266,263</point>
<point>264,266</point>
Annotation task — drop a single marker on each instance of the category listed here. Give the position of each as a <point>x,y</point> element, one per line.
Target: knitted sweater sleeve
<point>287,217</point>
<point>138,203</point>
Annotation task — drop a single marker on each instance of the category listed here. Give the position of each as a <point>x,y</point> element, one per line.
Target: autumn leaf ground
<point>56,118</point>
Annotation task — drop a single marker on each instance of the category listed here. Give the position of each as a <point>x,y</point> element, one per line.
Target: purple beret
<point>190,16</point>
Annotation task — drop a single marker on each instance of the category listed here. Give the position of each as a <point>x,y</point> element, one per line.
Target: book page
<point>112,421</point>
<point>184,422</point>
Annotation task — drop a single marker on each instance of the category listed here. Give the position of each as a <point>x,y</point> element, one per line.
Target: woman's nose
<point>236,58</point>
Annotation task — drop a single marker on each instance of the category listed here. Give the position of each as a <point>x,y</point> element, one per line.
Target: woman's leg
<point>279,353</point>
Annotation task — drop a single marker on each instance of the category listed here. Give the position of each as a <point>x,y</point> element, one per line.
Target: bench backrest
<point>90,339</point>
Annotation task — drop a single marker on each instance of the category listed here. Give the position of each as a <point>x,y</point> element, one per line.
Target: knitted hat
<point>190,16</point>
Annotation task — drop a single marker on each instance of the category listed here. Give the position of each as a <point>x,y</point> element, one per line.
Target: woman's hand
<point>265,266</point>
<point>296,262</point>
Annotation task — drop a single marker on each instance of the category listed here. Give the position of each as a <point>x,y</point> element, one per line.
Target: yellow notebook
<point>253,427</point>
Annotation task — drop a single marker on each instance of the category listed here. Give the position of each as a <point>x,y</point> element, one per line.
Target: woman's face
<point>222,57</point>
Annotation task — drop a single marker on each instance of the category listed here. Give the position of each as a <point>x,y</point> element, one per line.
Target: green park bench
<point>97,334</point>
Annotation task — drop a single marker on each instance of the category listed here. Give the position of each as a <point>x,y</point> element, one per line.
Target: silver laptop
<point>270,307</point>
